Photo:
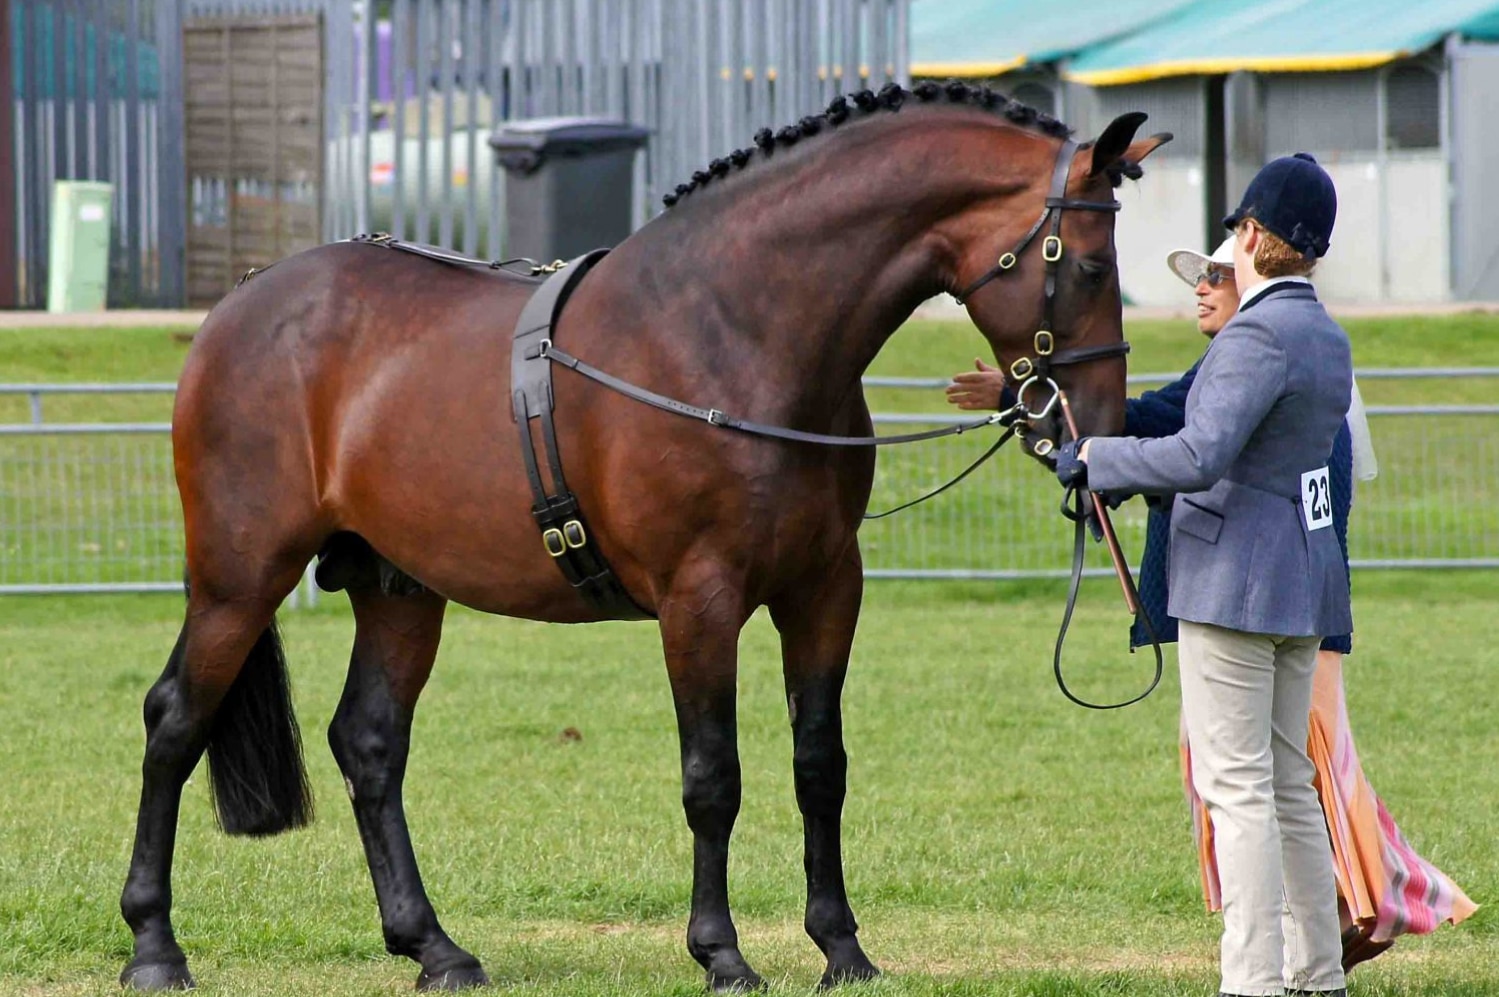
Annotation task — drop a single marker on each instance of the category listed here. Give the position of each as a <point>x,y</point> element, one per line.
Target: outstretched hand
<point>982,388</point>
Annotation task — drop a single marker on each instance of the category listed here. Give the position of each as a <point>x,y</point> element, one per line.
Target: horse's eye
<point>1094,273</point>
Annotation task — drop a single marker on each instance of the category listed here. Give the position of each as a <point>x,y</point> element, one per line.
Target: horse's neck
<point>802,275</point>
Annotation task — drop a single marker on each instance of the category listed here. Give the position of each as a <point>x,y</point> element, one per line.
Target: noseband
<point>1028,371</point>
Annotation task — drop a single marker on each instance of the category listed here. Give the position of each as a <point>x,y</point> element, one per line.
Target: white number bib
<point>1316,499</point>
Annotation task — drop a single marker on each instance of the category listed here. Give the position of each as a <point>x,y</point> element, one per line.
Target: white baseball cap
<point>1190,266</point>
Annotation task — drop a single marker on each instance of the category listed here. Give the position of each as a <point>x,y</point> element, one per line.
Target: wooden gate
<point>254,99</point>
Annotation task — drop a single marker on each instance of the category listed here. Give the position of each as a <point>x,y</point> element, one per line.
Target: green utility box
<point>78,258</point>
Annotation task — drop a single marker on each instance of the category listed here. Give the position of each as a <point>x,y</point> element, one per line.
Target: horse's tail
<point>259,781</point>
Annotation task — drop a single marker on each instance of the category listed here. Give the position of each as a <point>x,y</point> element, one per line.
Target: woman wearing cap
<point>1257,578</point>
<point>1385,888</point>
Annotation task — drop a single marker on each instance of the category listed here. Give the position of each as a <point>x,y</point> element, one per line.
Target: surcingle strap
<point>564,532</point>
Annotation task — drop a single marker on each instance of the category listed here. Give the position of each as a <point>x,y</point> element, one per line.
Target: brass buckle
<point>574,534</point>
<point>1022,369</point>
<point>553,541</point>
<point>1042,447</point>
<point>1007,261</point>
<point>1051,248</point>
<point>1045,342</point>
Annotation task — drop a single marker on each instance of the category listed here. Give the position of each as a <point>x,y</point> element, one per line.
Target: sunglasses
<point>1215,276</point>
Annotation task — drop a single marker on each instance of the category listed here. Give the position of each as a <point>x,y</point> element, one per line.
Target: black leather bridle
<point>1027,371</point>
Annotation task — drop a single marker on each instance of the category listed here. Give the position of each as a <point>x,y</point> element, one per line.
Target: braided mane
<point>890,98</point>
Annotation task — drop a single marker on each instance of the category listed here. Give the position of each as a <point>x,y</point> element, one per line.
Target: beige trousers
<point>1245,700</point>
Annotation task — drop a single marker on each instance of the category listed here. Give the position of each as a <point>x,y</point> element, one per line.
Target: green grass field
<point>999,840</point>
<point>920,349</point>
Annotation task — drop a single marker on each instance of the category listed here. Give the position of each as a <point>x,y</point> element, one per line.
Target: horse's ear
<point>1115,143</point>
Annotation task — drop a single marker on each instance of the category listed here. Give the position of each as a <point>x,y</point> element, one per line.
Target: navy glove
<point>1071,471</point>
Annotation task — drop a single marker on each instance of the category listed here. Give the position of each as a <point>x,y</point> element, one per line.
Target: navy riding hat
<point>1293,198</point>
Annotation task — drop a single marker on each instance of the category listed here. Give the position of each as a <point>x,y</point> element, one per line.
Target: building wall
<point>1379,134</point>
<point>1475,145</point>
<point>1162,212</point>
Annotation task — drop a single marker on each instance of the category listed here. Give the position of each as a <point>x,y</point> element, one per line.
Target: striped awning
<point>1280,36</point>
<point>972,38</point>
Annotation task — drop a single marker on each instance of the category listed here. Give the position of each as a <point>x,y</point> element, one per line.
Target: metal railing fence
<point>89,506</point>
<point>96,96</point>
<point>413,89</point>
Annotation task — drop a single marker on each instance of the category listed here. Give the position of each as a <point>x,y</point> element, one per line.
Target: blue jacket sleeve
<point>1162,412</point>
<point>1340,482</point>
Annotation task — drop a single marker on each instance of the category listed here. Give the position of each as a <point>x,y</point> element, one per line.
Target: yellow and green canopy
<point>1110,42</point>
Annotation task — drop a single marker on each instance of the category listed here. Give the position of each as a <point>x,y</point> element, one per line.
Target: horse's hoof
<point>745,980</point>
<point>453,978</point>
<point>157,976</point>
<point>856,972</point>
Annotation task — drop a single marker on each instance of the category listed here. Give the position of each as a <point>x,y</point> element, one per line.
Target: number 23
<point>1319,499</point>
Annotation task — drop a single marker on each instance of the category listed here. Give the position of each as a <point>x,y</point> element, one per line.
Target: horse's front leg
<point>395,644</point>
<point>700,623</point>
<point>817,631</point>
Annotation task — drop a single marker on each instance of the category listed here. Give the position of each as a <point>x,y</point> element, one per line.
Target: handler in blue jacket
<point>1257,578</point>
<point>1163,412</point>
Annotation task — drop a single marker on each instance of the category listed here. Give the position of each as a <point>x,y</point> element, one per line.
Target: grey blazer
<point>1263,411</point>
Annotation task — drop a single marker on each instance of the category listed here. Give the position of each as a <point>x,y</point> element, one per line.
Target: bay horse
<point>353,402</point>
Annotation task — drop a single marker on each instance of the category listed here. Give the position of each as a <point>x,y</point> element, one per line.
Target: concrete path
<point>117,319</point>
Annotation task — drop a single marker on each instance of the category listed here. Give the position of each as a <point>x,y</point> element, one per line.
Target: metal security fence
<point>1432,505</point>
<point>92,90</point>
<point>92,506</point>
<point>414,88</point>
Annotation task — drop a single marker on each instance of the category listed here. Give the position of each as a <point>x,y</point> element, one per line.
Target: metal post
<point>103,105</point>
<point>172,213</point>
<point>60,158</point>
<point>365,66</point>
<point>78,102</point>
<point>473,52</point>
<point>447,33</point>
<point>902,38</point>
<point>10,290</point>
<point>852,76</point>
<point>132,175</point>
<point>423,115</point>
<point>400,23</point>
<point>1214,157</point>
<point>34,188</point>
<point>1382,164</point>
<point>1451,46</point>
<point>498,111</point>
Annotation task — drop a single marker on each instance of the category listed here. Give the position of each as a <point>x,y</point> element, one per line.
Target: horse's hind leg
<point>395,644</point>
<point>817,631</point>
<point>224,690</point>
<point>700,623</point>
